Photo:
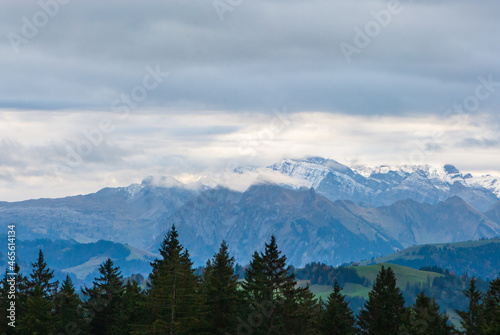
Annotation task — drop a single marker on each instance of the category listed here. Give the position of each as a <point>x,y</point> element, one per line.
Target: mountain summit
<point>320,210</point>
<point>384,185</point>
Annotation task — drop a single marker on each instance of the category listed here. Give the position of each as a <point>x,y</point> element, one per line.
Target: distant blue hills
<point>319,210</point>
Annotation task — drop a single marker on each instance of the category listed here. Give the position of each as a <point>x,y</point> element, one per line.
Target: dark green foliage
<point>308,313</point>
<point>270,290</point>
<point>337,317</point>
<point>255,279</point>
<point>36,300</point>
<point>174,302</point>
<point>68,309</point>
<point>446,290</point>
<point>103,300</point>
<point>274,303</point>
<point>299,312</point>
<point>221,294</point>
<point>39,317</point>
<point>42,276</point>
<point>472,320</point>
<point>21,299</point>
<point>424,318</point>
<point>269,301</point>
<point>322,274</point>
<point>476,260</point>
<point>4,301</point>
<point>63,254</point>
<point>132,307</point>
<point>384,310</point>
<point>492,308</point>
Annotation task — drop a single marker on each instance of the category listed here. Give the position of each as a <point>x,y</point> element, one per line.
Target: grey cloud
<point>203,132</point>
<point>433,146</point>
<point>103,156</point>
<point>39,160</point>
<point>263,55</point>
<point>6,177</point>
<point>478,143</point>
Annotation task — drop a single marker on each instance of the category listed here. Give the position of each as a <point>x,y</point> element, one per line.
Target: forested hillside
<point>475,258</point>
<point>272,299</point>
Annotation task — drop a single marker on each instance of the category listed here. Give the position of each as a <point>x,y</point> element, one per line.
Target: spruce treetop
<point>67,286</point>
<point>42,276</point>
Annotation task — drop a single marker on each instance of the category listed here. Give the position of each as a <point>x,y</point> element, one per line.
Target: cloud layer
<point>68,155</point>
<point>422,59</point>
<point>85,100</point>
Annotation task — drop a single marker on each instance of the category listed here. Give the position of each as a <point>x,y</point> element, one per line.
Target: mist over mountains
<point>328,212</point>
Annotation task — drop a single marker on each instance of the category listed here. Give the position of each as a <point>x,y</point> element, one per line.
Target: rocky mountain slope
<point>494,213</point>
<point>329,213</point>
<point>309,227</point>
<point>126,214</point>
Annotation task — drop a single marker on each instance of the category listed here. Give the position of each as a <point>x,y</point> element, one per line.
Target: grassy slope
<point>82,270</point>
<point>413,251</point>
<point>403,274</point>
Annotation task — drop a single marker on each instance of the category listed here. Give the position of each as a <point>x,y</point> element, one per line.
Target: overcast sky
<point>104,93</point>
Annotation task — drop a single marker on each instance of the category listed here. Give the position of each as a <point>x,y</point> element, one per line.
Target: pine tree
<point>492,308</point>
<point>384,310</point>
<point>424,318</point>
<point>103,300</point>
<point>5,301</point>
<point>22,294</point>
<point>68,309</point>
<point>36,299</point>
<point>220,288</point>
<point>472,320</point>
<point>21,297</point>
<point>132,307</point>
<point>337,318</point>
<point>255,278</point>
<point>39,317</point>
<point>270,290</point>
<point>308,313</point>
<point>173,297</point>
<point>42,276</point>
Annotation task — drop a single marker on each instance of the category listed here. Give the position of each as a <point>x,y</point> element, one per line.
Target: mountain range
<point>322,211</point>
<point>384,185</point>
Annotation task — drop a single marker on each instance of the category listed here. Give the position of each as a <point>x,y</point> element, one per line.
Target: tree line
<point>178,301</point>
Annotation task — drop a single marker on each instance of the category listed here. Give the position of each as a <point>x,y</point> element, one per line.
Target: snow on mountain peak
<point>382,184</point>
<point>486,181</point>
<point>379,186</point>
<point>134,189</point>
<point>311,172</point>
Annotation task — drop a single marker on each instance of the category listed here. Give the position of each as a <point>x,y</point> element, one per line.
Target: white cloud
<point>215,109</point>
<point>151,143</point>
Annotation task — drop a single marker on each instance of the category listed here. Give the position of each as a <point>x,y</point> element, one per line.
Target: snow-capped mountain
<point>384,185</point>
<point>319,209</point>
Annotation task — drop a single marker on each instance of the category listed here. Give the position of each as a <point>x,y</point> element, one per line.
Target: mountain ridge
<point>312,223</point>
<point>384,185</point>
